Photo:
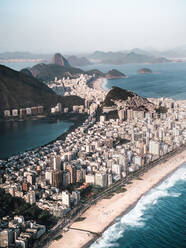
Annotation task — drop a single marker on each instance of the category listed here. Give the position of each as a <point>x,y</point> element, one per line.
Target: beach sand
<point>99,83</point>
<point>100,216</point>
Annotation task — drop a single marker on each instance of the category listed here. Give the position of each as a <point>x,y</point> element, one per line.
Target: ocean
<point>167,80</point>
<point>17,137</point>
<point>158,220</point>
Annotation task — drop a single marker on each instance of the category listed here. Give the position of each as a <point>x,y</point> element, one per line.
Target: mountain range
<point>61,68</point>
<point>135,55</point>
<point>117,58</point>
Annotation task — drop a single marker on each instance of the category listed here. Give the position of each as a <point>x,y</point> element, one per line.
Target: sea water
<point>159,218</point>
<point>157,221</point>
<point>167,79</point>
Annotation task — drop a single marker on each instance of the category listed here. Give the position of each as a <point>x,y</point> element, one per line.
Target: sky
<point>47,26</point>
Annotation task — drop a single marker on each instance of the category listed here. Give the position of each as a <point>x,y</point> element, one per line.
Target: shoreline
<point>126,211</point>
<point>104,213</point>
<point>100,84</point>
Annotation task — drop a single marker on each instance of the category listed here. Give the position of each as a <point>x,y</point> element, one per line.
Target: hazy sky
<point>88,25</point>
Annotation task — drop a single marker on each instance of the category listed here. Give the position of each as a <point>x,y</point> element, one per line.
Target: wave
<point>136,217</point>
<point>104,84</point>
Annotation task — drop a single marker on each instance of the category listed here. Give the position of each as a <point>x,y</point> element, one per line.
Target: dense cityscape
<point>100,152</point>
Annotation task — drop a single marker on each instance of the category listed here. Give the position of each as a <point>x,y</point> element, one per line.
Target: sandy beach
<point>98,217</point>
<point>99,83</point>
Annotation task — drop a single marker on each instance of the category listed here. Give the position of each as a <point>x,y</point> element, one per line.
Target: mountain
<point>58,59</point>
<point>107,57</point>
<point>61,68</point>
<point>19,90</point>
<point>114,74</point>
<point>48,72</point>
<point>78,61</point>
<point>124,58</point>
<point>129,100</point>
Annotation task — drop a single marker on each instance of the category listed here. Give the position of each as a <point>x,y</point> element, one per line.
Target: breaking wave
<point>136,217</point>
<point>104,84</point>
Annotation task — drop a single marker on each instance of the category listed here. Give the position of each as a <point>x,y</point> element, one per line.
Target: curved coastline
<point>100,84</point>
<point>100,216</point>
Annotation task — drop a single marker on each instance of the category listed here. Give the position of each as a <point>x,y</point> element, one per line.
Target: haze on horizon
<point>87,25</point>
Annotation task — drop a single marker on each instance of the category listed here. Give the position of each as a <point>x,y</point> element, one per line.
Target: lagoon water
<point>157,221</point>
<point>19,136</point>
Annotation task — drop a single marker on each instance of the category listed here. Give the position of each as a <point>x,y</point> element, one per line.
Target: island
<point>145,71</point>
<point>112,74</point>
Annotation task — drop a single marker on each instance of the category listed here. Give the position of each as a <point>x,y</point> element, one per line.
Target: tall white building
<point>101,179</point>
<point>66,198</point>
<point>32,196</point>
<point>154,147</point>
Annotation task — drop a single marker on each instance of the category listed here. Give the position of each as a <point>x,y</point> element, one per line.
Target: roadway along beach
<point>98,217</point>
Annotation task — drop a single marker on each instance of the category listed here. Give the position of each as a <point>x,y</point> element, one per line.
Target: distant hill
<point>19,90</point>
<point>78,61</point>
<point>114,74</point>
<point>125,58</point>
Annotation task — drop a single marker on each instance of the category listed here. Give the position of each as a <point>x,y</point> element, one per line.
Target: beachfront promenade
<point>83,228</point>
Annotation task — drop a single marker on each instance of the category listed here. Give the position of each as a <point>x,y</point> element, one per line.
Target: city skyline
<point>86,26</point>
